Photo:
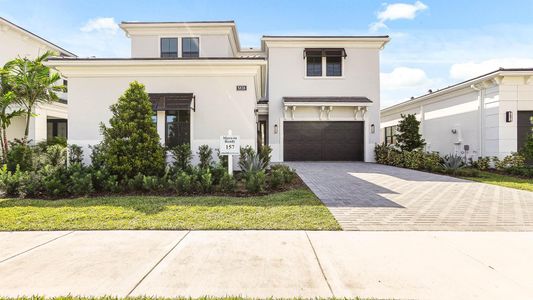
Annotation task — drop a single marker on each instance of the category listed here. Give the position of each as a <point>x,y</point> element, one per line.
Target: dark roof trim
<point>327,36</point>
<point>460,83</point>
<point>325,52</point>
<point>328,99</point>
<point>181,22</point>
<point>63,51</point>
<point>152,58</point>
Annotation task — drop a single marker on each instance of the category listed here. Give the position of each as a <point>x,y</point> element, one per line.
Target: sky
<point>433,43</point>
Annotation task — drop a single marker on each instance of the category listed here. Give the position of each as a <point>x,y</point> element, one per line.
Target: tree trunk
<point>4,151</point>
<point>27,131</point>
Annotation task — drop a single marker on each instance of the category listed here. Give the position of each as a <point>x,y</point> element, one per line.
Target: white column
<point>161,123</point>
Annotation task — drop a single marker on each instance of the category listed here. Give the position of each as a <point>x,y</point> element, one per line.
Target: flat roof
<point>331,99</point>
<point>326,36</point>
<point>415,99</point>
<point>151,58</point>
<point>179,22</point>
<point>52,45</point>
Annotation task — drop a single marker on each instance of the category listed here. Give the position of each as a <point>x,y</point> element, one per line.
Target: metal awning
<point>324,52</point>
<point>172,101</point>
<point>327,101</point>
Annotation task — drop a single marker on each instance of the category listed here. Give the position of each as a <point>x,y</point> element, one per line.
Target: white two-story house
<point>50,119</point>
<point>309,98</point>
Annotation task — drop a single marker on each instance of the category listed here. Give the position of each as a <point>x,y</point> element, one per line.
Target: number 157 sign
<point>230,145</point>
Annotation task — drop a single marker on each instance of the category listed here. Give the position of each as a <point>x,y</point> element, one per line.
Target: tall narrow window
<point>169,47</point>
<point>333,63</point>
<point>390,133</point>
<point>190,47</point>
<point>314,63</point>
<point>178,127</point>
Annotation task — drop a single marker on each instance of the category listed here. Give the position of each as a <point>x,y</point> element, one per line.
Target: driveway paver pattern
<point>366,196</point>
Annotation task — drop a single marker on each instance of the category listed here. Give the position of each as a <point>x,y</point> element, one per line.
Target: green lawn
<point>292,210</point>
<point>504,180</point>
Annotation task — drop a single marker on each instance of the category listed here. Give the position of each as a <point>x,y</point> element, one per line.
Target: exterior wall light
<point>276,129</point>
<point>508,116</point>
<point>372,128</point>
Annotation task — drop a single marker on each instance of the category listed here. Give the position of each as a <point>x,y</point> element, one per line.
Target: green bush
<point>483,163</point>
<point>205,180</point>
<point>464,172</point>
<point>527,149</point>
<point>182,156</point>
<point>136,183</point>
<point>265,154</point>
<point>255,182</point>
<point>417,159</point>
<point>453,162</point>
<point>80,180</point>
<point>521,171</point>
<point>31,185</point>
<point>55,155</point>
<point>20,154</point>
<point>288,174</point>
<point>10,182</point>
<point>218,171</point>
<point>408,137</point>
<point>245,153</point>
<point>130,144</point>
<point>205,154</point>
<point>276,178</point>
<point>75,154</point>
<point>227,183</point>
<point>184,183</point>
<point>151,183</point>
<point>54,180</point>
<point>514,160</point>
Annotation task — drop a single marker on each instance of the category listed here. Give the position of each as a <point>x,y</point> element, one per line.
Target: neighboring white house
<point>490,115</point>
<point>50,119</point>
<point>310,98</point>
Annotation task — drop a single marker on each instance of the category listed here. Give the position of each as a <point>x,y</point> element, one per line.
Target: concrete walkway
<point>399,265</point>
<point>365,196</point>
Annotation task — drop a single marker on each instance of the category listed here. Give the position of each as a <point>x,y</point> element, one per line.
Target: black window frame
<point>390,132</point>
<point>55,127</point>
<point>334,69</point>
<point>180,140</point>
<point>168,54</point>
<point>313,64</point>
<point>190,54</point>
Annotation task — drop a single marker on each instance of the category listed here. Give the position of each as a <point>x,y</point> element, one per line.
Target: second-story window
<point>190,47</point>
<point>169,47</point>
<point>333,62</point>
<point>314,63</point>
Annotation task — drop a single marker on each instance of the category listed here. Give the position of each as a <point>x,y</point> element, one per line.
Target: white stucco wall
<point>14,44</point>
<point>211,45</point>
<point>219,107</point>
<point>287,78</point>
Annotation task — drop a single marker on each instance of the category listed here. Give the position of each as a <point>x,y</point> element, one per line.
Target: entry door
<point>323,141</point>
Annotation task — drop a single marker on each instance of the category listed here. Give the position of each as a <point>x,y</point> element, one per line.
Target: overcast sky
<point>434,43</point>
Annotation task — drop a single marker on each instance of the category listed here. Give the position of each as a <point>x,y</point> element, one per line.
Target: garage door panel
<point>315,141</point>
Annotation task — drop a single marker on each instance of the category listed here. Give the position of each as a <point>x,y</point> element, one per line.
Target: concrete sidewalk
<point>428,265</point>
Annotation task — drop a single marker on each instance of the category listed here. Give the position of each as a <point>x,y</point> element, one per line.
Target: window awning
<point>172,101</point>
<point>324,52</point>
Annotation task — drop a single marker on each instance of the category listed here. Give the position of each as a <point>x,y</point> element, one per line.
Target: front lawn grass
<point>297,209</point>
<point>504,180</point>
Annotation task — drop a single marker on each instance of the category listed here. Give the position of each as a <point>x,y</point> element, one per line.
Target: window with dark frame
<point>177,131</point>
<point>314,63</point>
<point>390,131</point>
<point>190,47</point>
<point>169,47</point>
<point>333,66</point>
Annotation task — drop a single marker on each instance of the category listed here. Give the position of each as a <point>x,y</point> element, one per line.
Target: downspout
<point>481,117</point>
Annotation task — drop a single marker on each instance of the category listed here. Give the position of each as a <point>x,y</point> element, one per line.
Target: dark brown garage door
<point>323,141</point>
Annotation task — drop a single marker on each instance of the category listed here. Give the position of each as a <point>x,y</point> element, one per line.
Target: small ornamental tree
<point>408,137</point>
<point>131,144</point>
<point>527,149</point>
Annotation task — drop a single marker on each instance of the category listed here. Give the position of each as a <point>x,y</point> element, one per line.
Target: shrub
<point>514,160</point>
<point>483,163</point>
<point>227,183</point>
<point>80,180</point>
<point>465,172</point>
<point>54,180</point>
<point>222,159</point>
<point>252,163</point>
<point>75,154</point>
<point>10,182</point>
<point>255,182</point>
<point>184,183</point>
<point>265,154</point>
<point>136,183</point>
<point>218,171</point>
<point>276,179</point>
<point>151,183</point>
<point>182,156</point>
<point>453,162</point>
<point>55,155</point>
<point>130,144</point>
<point>288,174</point>
<point>20,154</point>
<point>205,180</point>
<point>245,153</point>
<point>408,137</point>
<point>527,149</point>
<point>521,171</point>
<point>31,185</point>
<point>205,154</point>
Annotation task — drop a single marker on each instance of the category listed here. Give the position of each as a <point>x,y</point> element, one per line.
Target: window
<point>389,135</point>
<point>177,127</point>
<point>190,47</point>
<point>56,128</point>
<point>169,47</point>
<point>333,66</point>
<point>154,118</point>
<point>314,63</point>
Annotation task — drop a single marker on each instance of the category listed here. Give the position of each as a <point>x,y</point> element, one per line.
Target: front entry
<point>323,141</point>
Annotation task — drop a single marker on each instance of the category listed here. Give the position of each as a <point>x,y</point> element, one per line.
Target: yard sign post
<point>230,145</point>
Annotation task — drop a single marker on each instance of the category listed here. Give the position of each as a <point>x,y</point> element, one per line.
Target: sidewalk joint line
<point>158,262</point>
<point>320,265</point>
<point>35,247</point>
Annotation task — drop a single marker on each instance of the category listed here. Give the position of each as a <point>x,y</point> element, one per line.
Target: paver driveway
<point>365,196</point>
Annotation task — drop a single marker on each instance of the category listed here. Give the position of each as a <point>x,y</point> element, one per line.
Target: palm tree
<point>6,115</point>
<point>33,83</point>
